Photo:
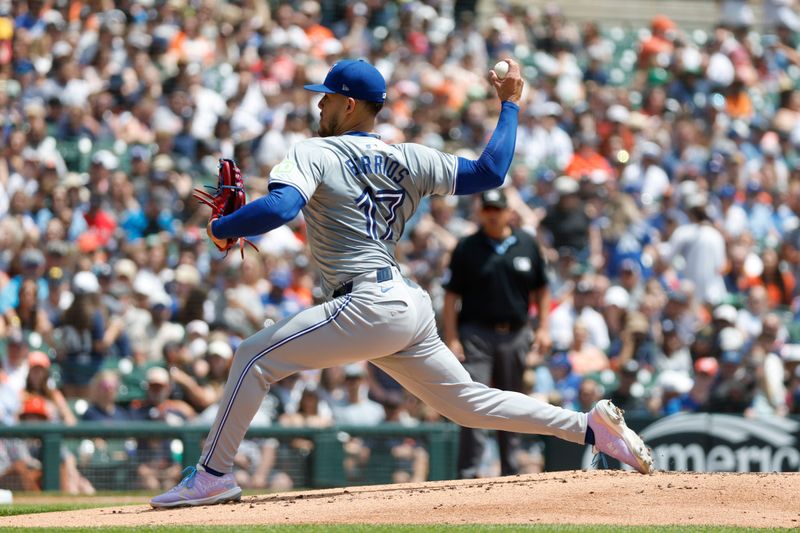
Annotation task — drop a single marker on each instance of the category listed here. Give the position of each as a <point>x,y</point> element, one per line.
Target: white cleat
<point>614,438</point>
<point>199,488</point>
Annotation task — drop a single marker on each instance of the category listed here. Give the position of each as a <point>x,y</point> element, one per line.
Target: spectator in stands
<point>103,390</point>
<point>702,248</point>
<point>411,459</point>
<point>28,315</point>
<point>629,394</point>
<point>749,319</point>
<point>56,290</point>
<point>734,389</point>
<point>31,264</point>
<point>673,354</point>
<point>585,358</point>
<point>38,385</point>
<point>541,142</point>
<point>160,329</point>
<point>42,404</point>
<point>586,161</point>
<point>662,33</point>
<point>770,391</point>
<point>580,307</point>
<point>84,336</point>
<point>566,382</point>
<point>359,410</point>
<point>776,278</point>
<point>204,388</point>
<point>308,414</point>
<point>705,372</point>
<point>636,342</point>
<point>157,469</point>
<point>589,393</point>
<point>568,223</point>
<point>15,363</point>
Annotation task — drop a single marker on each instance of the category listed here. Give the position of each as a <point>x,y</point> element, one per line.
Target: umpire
<point>494,274</point>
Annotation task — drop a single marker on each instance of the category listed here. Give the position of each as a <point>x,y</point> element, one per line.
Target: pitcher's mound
<point>595,497</point>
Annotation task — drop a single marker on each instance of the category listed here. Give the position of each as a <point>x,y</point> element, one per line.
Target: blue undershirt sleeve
<point>262,215</point>
<point>489,171</point>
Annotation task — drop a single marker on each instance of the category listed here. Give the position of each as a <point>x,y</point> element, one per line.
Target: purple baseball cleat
<point>612,437</point>
<point>198,487</point>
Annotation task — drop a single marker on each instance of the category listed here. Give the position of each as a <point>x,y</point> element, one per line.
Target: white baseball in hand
<point>501,69</point>
<point>269,322</point>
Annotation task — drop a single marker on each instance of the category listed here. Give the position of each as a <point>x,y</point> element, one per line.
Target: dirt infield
<point>596,497</point>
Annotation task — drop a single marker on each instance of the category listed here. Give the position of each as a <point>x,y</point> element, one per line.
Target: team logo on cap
<point>345,87</point>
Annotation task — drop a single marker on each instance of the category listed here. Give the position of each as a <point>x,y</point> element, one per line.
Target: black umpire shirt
<point>495,279</point>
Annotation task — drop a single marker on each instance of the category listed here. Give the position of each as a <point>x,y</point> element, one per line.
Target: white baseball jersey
<point>359,193</point>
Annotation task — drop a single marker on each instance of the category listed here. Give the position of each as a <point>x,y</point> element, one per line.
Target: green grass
<point>34,508</point>
<point>404,529</point>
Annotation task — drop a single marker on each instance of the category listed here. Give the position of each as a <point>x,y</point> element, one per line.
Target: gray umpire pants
<point>497,358</point>
<point>392,325</point>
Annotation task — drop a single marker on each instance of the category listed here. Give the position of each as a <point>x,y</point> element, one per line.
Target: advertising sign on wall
<point>701,442</point>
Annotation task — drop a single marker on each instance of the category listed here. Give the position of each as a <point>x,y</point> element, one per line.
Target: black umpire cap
<point>494,198</point>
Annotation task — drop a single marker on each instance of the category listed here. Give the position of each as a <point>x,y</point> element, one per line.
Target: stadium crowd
<point>659,170</point>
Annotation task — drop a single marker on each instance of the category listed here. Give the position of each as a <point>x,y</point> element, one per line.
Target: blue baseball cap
<point>354,78</point>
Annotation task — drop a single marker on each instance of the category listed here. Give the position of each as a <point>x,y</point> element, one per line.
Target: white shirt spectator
<point>652,181</point>
<point>209,107</point>
<point>164,120</point>
<point>15,377</point>
<point>539,146</point>
<point>563,319</point>
<point>9,404</point>
<point>735,222</point>
<point>678,361</point>
<point>702,248</point>
<point>770,397</point>
<point>159,336</point>
<point>720,69</point>
<point>363,413</point>
<point>246,121</point>
<point>280,242</point>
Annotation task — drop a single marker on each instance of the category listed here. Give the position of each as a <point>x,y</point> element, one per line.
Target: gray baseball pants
<point>392,325</point>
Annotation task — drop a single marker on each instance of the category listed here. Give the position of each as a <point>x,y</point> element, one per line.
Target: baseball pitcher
<point>356,193</point>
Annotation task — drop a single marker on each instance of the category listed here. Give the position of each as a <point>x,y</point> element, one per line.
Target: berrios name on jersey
<point>359,193</point>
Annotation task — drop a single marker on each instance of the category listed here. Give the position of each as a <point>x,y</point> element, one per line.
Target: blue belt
<point>382,274</point>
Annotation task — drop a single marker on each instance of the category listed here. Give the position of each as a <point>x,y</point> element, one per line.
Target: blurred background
<point>667,132</point>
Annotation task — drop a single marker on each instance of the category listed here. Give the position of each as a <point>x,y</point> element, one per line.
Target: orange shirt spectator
<point>587,159</point>
<point>659,42</point>
<point>778,282</point>
<point>318,35</point>
<point>308,17</point>
<point>738,103</point>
